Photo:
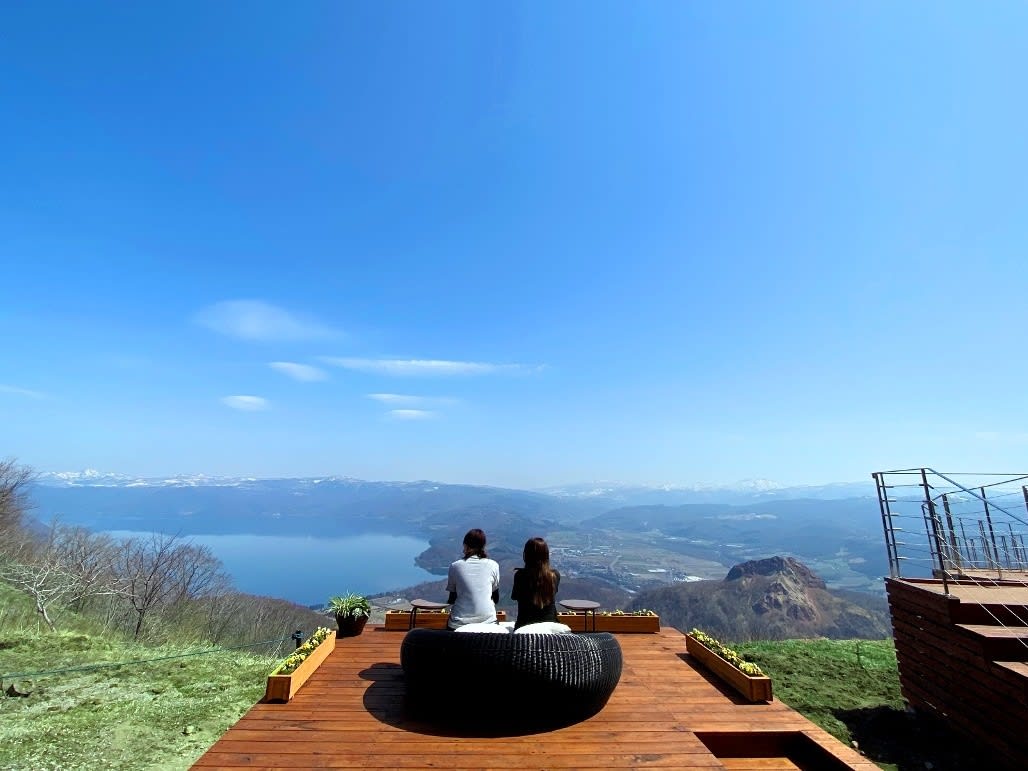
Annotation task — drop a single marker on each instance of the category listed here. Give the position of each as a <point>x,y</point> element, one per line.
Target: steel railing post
<point>935,528</point>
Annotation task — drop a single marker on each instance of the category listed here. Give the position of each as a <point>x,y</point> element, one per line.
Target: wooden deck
<point>351,715</point>
<point>1007,592</point>
<point>963,658</point>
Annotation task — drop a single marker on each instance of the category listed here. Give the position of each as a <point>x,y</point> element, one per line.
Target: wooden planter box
<point>751,688</point>
<point>622,624</point>
<point>282,688</point>
<point>399,620</point>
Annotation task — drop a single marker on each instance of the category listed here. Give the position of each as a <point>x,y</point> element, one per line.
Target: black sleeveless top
<point>528,613</point>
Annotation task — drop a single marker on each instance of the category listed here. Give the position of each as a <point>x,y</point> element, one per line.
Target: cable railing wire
<point>972,529</point>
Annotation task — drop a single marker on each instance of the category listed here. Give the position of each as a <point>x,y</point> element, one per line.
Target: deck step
<point>1000,643</point>
<point>997,632</point>
<point>1017,674</point>
<point>1017,667</point>
<point>990,614</point>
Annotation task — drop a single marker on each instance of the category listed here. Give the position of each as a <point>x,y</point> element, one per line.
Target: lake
<point>310,570</point>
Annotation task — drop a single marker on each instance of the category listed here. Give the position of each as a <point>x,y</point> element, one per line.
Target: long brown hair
<point>475,540</point>
<point>541,578</point>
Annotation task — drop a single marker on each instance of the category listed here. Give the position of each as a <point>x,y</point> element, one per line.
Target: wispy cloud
<point>409,400</point>
<point>412,414</point>
<point>26,392</point>
<point>426,367</point>
<point>246,403</point>
<point>302,372</point>
<point>261,321</point>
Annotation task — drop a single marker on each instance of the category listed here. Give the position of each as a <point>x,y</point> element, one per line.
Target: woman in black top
<point>535,585</point>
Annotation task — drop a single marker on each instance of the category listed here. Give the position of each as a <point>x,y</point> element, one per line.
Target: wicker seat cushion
<point>528,677</point>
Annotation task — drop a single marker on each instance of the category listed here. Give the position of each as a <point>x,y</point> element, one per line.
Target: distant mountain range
<point>745,491</point>
<point>316,506</point>
<point>93,478</point>
<point>339,505</point>
<point>616,493</point>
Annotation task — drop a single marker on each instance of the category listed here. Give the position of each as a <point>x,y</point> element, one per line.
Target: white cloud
<point>409,400</point>
<point>246,403</point>
<point>257,320</point>
<point>412,414</point>
<point>302,372</point>
<point>430,367</point>
<point>16,391</point>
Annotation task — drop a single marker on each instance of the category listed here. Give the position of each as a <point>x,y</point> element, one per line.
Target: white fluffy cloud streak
<point>409,400</point>
<point>302,372</point>
<point>26,392</point>
<point>261,321</point>
<point>424,367</point>
<point>246,403</point>
<point>411,414</point>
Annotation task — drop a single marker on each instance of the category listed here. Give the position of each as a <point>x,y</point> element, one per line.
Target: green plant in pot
<point>351,612</point>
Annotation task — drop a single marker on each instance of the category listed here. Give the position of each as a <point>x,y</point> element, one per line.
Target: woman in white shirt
<point>473,583</point>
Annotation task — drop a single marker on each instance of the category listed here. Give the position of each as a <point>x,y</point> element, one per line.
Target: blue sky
<point>519,244</point>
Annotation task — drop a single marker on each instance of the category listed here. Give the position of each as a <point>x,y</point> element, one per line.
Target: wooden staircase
<point>963,657</point>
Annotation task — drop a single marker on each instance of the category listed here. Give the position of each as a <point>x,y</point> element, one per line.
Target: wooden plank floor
<point>350,715</point>
<point>984,594</point>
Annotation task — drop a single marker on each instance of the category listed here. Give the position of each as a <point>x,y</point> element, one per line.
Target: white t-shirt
<point>474,580</point>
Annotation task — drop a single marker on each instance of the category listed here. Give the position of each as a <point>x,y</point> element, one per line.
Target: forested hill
<point>770,599</point>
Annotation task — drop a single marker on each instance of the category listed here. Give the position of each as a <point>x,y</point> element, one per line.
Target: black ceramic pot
<point>350,626</point>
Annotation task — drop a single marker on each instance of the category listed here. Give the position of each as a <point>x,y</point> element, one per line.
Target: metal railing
<point>971,526</point>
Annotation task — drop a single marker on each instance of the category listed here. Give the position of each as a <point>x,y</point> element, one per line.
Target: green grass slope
<point>155,715</point>
<point>851,689</point>
<point>823,678</point>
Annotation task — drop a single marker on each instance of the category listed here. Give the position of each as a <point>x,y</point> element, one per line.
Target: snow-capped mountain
<point>89,476</point>
<point>92,478</point>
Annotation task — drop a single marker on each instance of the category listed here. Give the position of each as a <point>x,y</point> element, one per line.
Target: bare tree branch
<point>14,500</point>
<point>56,570</point>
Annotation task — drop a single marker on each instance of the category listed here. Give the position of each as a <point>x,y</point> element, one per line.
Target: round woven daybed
<point>525,678</point>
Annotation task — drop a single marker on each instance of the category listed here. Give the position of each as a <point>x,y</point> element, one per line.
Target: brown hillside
<point>770,599</point>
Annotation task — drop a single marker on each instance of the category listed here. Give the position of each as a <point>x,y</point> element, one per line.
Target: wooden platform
<point>351,715</point>
<point>962,658</point>
<point>1006,592</point>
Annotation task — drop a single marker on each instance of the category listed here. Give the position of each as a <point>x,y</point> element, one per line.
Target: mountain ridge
<point>741,491</point>
<point>773,598</point>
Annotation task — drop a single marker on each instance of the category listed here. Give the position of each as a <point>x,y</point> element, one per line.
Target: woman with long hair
<point>535,585</point>
<point>473,582</point>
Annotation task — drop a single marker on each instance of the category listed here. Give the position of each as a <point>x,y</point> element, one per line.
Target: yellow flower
<point>297,657</point>
<point>727,653</point>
